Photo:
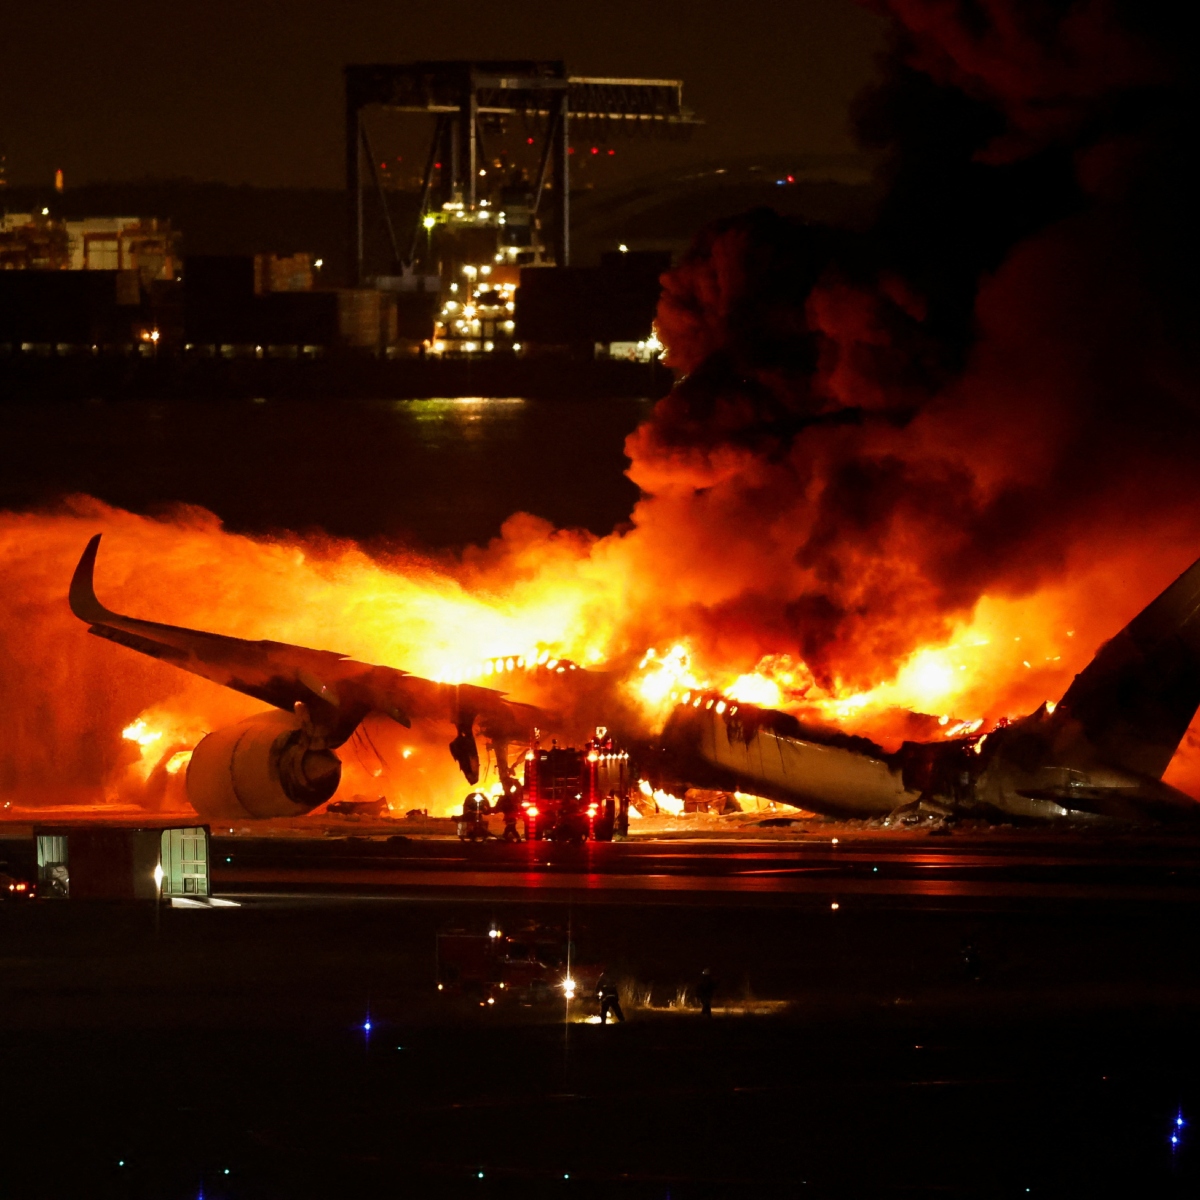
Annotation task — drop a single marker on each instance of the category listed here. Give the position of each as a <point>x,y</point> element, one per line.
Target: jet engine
<point>265,766</point>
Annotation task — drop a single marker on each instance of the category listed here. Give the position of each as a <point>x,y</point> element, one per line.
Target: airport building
<point>472,259</point>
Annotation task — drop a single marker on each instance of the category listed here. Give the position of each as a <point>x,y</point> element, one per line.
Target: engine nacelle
<point>264,766</point>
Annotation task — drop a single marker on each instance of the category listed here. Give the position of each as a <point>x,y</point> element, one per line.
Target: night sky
<point>250,92</point>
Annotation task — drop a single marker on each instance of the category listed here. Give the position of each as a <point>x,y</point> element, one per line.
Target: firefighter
<point>622,828</point>
<point>610,1002</point>
<point>704,992</point>
<point>473,822</point>
<point>509,805</point>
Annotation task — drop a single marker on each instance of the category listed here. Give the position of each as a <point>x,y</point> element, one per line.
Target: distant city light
<point>429,222</point>
<point>320,262</point>
<point>624,249</point>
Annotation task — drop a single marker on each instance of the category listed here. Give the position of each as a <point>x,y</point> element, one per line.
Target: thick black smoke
<point>997,379</point>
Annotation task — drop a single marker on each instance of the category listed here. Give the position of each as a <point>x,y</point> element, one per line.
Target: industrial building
<point>602,312</point>
<point>112,860</point>
<point>41,242</point>
<point>490,216</point>
<point>237,305</point>
<point>480,265</point>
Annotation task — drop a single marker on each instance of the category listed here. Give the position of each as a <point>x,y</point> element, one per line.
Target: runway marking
<point>231,880</point>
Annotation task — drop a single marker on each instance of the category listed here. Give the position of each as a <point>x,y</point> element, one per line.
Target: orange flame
<point>89,720</point>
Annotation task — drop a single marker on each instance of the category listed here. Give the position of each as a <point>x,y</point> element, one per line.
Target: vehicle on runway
<point>532,965</point>
<point>1099,754</point>
<point>12,887</point>
<point>576,794</point>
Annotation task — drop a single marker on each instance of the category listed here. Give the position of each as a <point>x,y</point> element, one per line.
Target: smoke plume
<point>928,467</point>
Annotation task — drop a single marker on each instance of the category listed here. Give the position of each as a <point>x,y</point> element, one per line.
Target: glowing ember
<point>755,689</point>
<point>662,676</point>
<point>139,732</point>
<point>178,761</point>
<point>662,800</point>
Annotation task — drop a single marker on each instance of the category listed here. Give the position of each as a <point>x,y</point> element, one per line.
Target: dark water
<point>435,472</point>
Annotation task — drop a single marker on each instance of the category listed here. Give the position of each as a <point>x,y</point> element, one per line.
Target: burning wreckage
<point>1099,753</point>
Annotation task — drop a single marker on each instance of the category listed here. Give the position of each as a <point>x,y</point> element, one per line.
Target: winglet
<point>83,592</point>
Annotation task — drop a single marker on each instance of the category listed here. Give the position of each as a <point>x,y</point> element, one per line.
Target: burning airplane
<point>907,467</point>
<point>1098,754</point>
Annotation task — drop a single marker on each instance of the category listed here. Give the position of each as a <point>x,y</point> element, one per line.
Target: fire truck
<point>531,965</point>
<point>576,795</point>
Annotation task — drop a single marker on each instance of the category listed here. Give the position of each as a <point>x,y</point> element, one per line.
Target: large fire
<point>907,482</point>
<point>88,721</point>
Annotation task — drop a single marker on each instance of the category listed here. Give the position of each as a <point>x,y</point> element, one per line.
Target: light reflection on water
<point>440,472</point>
<point>467,416</point>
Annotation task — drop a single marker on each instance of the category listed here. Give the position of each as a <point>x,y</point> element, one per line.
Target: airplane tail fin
<point>1137,697</point>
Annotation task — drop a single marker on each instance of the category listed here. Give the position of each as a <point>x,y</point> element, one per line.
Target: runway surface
<point>817,870</point>
<point>979,1017</point>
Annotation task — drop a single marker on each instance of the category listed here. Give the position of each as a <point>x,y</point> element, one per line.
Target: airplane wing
<point>329,692</point>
